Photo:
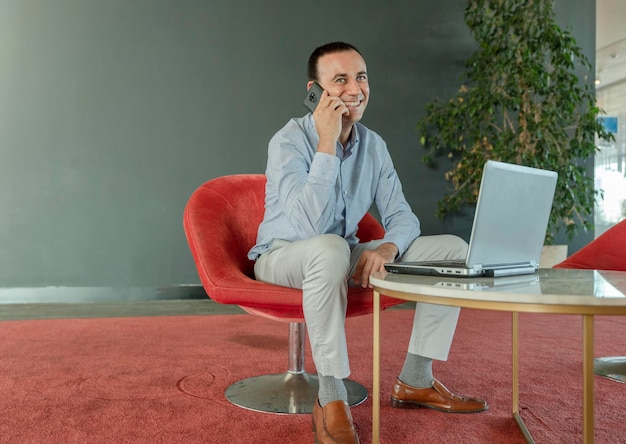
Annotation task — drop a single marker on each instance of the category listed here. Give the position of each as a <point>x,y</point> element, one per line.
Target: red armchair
<point>220,221</point>
<point>606,252</point>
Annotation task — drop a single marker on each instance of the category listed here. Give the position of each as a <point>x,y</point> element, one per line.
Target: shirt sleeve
<point>304,181</point>
<point>401,225</point>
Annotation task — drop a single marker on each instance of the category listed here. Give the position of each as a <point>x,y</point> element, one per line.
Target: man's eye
<point>362,78</point>
<point>341,80</point>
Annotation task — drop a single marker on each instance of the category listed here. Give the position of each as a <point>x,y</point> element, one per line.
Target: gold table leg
<point>376,373</point>
<point>515,356</point>
<point>588,416</point>
<point>515,379</point>
<point>588,374</point>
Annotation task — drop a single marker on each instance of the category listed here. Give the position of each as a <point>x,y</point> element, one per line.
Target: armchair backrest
<point>606,252</point>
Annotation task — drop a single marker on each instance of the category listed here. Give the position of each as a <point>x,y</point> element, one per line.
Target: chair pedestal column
<point>611,367</point>
<point>292,392</point>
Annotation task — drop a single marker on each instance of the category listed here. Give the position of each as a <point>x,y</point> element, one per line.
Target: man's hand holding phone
<point>327,112</point>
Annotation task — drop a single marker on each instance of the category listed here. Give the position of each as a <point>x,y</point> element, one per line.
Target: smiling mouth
<point>352,104</point>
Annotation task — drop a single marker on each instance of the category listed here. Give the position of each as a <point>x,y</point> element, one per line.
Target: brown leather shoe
<point>332,424</point>
<point>436,397</point>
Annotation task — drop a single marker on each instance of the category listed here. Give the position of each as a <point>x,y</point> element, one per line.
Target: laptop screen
<point>512,214</point>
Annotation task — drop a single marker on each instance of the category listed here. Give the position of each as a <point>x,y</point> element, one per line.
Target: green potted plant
<point>527,97</point>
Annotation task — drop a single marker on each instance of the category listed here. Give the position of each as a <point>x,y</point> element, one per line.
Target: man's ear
<point>308,84</point>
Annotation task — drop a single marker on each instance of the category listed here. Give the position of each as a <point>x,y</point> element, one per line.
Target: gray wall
<point>113,111</point>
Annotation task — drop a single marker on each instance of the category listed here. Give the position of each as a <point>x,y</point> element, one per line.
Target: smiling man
<point>324,172</point>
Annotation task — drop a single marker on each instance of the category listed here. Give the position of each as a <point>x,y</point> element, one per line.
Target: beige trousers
<point>322,266</point>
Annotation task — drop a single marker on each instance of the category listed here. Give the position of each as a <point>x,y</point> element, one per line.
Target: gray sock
<point>417,371</point>
<point>331,389</point>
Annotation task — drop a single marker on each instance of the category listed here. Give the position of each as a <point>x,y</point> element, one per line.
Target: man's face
<point>344,75</point>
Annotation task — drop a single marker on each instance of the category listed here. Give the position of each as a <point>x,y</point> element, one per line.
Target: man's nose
<point>353,88</point>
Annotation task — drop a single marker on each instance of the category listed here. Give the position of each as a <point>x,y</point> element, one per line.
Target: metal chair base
<point>613,367</point>
<point>285,393</point>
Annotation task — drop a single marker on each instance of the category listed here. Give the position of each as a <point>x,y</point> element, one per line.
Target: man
<point>324,171</point>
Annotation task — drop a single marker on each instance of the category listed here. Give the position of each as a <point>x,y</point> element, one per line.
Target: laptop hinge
<point>509,271</point>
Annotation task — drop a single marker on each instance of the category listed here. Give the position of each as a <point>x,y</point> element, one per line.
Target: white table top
<point>548,290</point>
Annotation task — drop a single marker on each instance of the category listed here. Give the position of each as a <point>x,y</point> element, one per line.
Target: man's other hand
<point>372,261</point>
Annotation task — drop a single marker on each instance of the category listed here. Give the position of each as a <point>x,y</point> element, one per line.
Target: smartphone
<point>313,96</point>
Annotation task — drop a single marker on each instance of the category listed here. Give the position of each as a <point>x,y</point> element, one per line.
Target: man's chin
<point>354,116</point>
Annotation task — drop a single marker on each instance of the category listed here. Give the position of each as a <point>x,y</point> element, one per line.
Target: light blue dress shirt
<point>310,193</point>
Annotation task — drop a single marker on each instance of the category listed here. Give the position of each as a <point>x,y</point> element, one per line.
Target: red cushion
<point>606,252</point>
<point>221,220</point>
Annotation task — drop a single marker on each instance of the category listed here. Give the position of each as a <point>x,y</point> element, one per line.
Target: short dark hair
<point>328,48</point>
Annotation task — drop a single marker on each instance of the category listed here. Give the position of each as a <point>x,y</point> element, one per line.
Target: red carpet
<point>162,379</point>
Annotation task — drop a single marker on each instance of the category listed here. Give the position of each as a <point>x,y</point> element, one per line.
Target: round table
<point>563,291</point>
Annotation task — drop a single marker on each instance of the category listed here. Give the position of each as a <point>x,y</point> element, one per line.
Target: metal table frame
<point>573,298</point>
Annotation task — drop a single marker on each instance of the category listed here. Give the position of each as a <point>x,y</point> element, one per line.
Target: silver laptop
<point>510,224</point>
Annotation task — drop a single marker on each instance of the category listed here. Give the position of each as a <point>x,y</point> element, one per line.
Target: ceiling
<point>610,42</point>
